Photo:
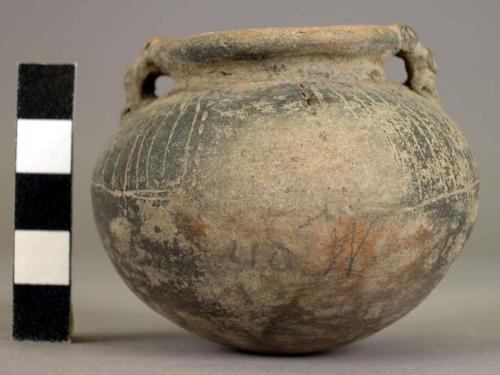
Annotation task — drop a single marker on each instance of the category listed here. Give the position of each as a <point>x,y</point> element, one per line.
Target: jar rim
<point>346,41</point>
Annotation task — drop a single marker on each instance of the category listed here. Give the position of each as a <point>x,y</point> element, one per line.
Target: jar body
<point>286,217</point>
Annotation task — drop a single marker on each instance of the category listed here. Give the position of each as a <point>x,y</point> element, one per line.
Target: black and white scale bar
<point>42,239</point>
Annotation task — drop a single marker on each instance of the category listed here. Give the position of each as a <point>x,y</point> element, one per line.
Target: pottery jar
<point>285,196</point>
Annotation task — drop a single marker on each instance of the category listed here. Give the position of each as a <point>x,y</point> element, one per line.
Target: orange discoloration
<point>192,227</point>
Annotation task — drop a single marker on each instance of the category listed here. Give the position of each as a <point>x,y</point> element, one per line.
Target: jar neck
<point>280,69</point>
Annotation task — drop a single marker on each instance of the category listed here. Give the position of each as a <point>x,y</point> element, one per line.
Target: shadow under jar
<point>285,196</point>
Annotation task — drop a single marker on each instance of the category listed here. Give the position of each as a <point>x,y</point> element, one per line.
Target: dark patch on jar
<point>191,227</point>
<point>203,52</point>
<point>169,255</point>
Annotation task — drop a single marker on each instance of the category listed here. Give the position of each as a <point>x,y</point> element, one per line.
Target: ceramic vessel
<point>285,196</point>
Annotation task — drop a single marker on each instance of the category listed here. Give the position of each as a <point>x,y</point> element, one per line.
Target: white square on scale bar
<point>42,257</point>
<point>43,146</point>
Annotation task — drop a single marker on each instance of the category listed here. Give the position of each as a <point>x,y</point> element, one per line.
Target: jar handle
<point>419,62</point>
<point>139,81</point>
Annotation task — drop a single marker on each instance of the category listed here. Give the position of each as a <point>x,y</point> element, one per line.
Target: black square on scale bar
<point>43,201</point>
<point>45,91</point>
<point>41,312</point>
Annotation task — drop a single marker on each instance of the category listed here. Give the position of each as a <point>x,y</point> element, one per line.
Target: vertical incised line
<point>153,140</point>
<point>188,141</point>
<point>148,129</point>
<point>128,166</point>
<point>174,126</point>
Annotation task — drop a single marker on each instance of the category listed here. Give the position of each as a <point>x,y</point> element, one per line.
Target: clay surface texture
<point>285,196</point>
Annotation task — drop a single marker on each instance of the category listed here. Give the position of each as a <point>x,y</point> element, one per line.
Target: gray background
<point>456,330</point>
